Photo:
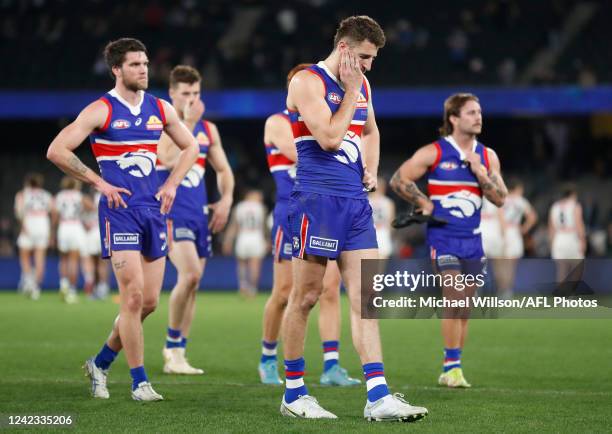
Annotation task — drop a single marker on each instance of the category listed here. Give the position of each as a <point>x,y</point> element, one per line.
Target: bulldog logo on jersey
<point>143,161</point>
<point>193,177</point>
<point>463,203</point>
<point>350,148</point>
<point>202,139</point>
<point>154,123</point>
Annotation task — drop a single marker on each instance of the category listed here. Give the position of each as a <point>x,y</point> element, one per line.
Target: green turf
<point>528,375</point>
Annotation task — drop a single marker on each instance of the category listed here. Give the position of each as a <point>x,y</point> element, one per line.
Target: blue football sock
<point>294,379</point>
<point>268,351</point>
<point>375,381</point>
<point>452,358</point>
<point>173,338</point>
<point>138,376</point>
<point>330,354</point>
<point>105,357</point>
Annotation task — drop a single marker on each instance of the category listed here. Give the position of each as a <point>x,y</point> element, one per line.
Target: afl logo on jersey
<point>120,124</point>
<point>154,123</point>
<point>448,165</point>
<point>334,98</point>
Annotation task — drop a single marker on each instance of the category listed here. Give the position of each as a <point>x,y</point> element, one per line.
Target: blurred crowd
<point>248,43</point>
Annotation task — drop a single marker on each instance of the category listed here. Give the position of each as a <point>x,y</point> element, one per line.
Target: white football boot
<point>145,392</point>
<point>176,363</point>
<point>306,407</point>
<point>98,379</point>
<point>393,408</point>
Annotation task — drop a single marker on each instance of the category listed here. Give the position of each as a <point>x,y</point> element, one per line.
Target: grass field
<point>527,375</point>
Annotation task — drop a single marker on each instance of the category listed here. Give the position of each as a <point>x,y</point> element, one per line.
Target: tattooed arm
<point>61,152</point>
<point>491,182</point>
<point>403,181</point>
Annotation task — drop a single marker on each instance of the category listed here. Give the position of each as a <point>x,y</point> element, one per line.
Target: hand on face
<point>350,70</point>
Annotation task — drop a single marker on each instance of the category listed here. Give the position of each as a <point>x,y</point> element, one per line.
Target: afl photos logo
<point>334,98</point>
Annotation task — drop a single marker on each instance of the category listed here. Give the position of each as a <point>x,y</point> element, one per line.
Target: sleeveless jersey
<point>563,217</point>
<point>337,173</point>
<point>126,147</point>
<point>454,189</point>
<point>191,198</point>
<point>69,205</point>
<point>250,217</point>
<point>35,202</point>
<point>281,168</point>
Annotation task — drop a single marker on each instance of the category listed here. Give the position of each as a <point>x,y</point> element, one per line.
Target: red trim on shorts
<point>321,77</point>
<point>160,105</point>
<point>170,237</point>
<point>109,115</point>
<point>438,157</point>
<point>107,236</point>
<point>432,253</point>
<point>277,241</point>
<point>303,235</point>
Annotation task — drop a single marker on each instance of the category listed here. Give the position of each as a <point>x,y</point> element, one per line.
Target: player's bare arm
<point>490,181</point>
<point>370,143</point>
<point>61,153</point>
<point>225,181</point>
<point>327,129</point>
<point>183,138</point>
<point>404,179</point>
<point>580,227</point>
<point>531,218</point>
<point>277,132</point>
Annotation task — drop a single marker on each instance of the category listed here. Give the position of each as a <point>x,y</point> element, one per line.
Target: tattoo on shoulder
<point>77,165</point>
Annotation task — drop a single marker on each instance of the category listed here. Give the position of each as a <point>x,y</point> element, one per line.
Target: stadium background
<point>541,68</point>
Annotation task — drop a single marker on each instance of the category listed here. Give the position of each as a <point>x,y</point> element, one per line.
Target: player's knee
<point>134,302</point>
<point>149,304</point>
<point>192,279</point>
<point>309,300</point>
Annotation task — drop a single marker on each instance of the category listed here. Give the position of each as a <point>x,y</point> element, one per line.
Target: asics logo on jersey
<point>138,121</point>
<point>143,160</point>
<point>334,98</point>
<point>120,124</point>
<point>464,203</point>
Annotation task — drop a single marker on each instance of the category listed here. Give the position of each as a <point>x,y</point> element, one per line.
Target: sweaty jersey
<point>33,202</point>
<point>281,168</point>
<point>69,205</point>
<point>126,147</point>
<point>454,189</point>
<point>335,173</point>
<point>191,199</point>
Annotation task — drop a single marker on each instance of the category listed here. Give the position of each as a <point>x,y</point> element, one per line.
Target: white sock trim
<point>376,381</point>
<point>268,352</point>
<point>295,383</point>
<point>331,355</point>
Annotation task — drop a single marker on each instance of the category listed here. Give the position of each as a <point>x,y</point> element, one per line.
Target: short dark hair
<point>452,107</point>
<point>359,28</point>
<point>184,74</point>
<point>115,51</point>
<point>34,180</point>
<point>295,70</point>
<point>568,189</point>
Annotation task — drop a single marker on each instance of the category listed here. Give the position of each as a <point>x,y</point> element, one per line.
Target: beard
<point>136,85</point>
